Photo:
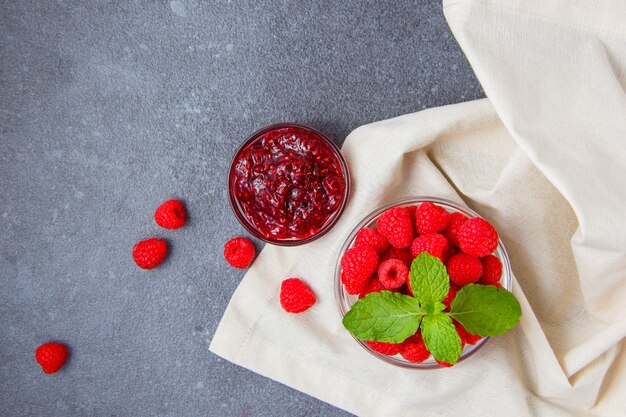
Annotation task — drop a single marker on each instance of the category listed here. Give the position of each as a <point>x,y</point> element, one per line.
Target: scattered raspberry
<point>295,296</point>
<point>393,273</point>
<point>451,294</point>
<point>51,357</point>
<point>370,237</point>
<point>465,336</point>
<point>492,270</point>
<point>357,266</point>
<point>430,218</point>
<point>239,252</point>
<point>464,269</point>
<point>395,253</point>
<point>478,237</point>
<point>385,348</point>
<point>395,224</point>
<point>373,286</point>
<point>452,230</point>
<point>414,350</point>
<point>149,253</point>
<point>433,243</point>
<point>170,215</point>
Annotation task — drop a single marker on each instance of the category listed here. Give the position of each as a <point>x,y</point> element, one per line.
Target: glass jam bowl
<point>345,300</point>
<point>288,184</point>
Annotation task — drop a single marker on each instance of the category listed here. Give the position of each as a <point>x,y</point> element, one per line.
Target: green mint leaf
<point>429,280</point>
<point>441,338</point>
<point>384,316</point>
<point>485,309</point>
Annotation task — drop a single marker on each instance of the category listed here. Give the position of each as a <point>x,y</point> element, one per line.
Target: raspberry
<point>414,349</point>
<point>430,218</point>
<point>464,269</point>
<point>395,224</point>
<point>170,215</point>
<point>449,253</point>
<point>433,243</point>
<point>451,294</point>
<point>393,273</point>
<point>370,237</point>
<point>357,266</point>
<point>465,336</point>
<point>295,296</point>
<point>149,253</point>
<point>51,356</point>
<point>239,252</point>
<point>385,348</point>
<point>478,237</point>
<point>452,230</point>
<point>411,210</point>
<point>492,270</point>
<point>373,286</point>
<point>395,253</point>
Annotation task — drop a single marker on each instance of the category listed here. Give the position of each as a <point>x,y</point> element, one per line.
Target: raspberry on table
<point>430,218</point>
<point>296,296</point>
<point>478,237</point>
<point>395,253</point>
<point>384,347</point>
<point>464,269</point>
<point>370,237</point>
<point>451,232</point>
<point>395,224</point>
<point>171,214</point>
<point>393,273</point>
<point>451,294</point>
<point>414,350</point>
<point>51,356</point>
<point>239,252</point>
<point>373,286</point>
<point>492,270</point>
<point>149,253</point>
<point>433,243</point>
<point>357,266</point>
<point>466,337</point>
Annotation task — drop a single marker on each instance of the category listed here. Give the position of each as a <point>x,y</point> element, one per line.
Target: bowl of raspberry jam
<point>288,184</point>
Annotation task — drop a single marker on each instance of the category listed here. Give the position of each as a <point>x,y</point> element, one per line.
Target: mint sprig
<point>392,317</point>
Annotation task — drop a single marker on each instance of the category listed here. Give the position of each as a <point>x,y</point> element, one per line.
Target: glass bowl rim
<point>343,308</point>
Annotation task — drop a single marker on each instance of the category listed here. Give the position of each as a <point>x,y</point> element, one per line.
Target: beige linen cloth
<point>544,158</point>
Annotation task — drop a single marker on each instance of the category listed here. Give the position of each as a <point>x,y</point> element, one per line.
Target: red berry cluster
<point>382,256</point>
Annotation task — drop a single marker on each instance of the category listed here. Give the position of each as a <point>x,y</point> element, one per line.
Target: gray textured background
<point>109,108</point>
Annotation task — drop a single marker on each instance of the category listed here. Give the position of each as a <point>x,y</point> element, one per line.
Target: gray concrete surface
<point>108,108</point>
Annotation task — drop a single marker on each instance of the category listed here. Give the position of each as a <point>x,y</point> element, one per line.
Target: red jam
<point>288,182</point>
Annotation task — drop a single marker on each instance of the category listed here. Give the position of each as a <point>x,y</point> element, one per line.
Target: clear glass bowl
<point>345,300</point>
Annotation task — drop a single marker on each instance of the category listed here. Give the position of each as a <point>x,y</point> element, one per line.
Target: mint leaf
<point>429,280</point>
<point>441,338</point>
<point>384,316</point>
<point>485,309</point>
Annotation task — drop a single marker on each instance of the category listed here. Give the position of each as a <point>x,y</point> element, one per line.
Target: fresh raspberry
<point>239,252</point>
<point>451,294</point>
<point>295,296</point>
<point>433,243</point>
<point>430,218</point>
<point>170,215</point>
<point>393,273</point>
<point>492,270</point>
<point>452,230</point>
<point>149,253</point>
<point>395,224</point>
<point>478,237</point>
<point>466,336</point>
<point>370,237</point>
<point>357,266</point>
<point>395,253</point>
<point>385,348</point>
<point>414,350</point>
<point>51,356</point>
<point>374,286</point>
<point>449,253</point>
<point>464,269</point>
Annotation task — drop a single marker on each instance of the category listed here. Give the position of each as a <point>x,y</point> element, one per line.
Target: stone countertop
<point>108,109</point>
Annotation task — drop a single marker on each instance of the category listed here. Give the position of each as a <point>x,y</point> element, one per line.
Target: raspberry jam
<point>288,184</point>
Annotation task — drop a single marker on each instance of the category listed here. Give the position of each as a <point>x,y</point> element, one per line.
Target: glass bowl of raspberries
<point>378,256</point>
